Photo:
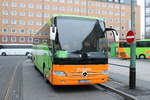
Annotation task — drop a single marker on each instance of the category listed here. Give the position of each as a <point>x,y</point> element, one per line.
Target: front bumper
<point>59,80</point>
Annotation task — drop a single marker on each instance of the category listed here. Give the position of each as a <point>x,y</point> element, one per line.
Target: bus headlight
<point>60,73</point>
<point>104,72</point>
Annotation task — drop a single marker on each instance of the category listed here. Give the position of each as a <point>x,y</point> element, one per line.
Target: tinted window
<point>78,35</point>
<point>75,33</point>
<point>124,44</point>
<point>143,44</point>
<point>17,46</point>
<point>1,46</point>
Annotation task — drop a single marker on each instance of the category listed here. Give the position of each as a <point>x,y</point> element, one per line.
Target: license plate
<point>84,81</point>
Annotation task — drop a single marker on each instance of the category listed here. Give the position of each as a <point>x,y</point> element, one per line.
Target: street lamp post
<point>132,81</point>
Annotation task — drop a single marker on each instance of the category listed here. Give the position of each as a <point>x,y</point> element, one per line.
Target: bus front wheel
<point>142,56</point>
<point>3,54</point>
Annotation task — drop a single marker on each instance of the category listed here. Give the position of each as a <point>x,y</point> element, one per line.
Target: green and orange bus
<point>142,49</point>
<point>75,51</point>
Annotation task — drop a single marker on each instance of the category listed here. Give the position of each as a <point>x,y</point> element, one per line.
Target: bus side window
<point>1,46</point>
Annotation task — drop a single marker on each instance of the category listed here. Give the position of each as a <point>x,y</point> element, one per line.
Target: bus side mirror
<point>52,32</point>
<point>115,34</point>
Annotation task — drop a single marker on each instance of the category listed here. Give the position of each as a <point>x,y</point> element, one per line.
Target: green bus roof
<point>67,15</point>
<point>144,40</point>
<point>90,17</point>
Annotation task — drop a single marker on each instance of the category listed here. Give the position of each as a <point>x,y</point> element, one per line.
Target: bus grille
<point>80,74</point>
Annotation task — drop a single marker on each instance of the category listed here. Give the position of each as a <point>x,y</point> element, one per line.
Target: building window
<point>36,41</point>
<point>62,1</point>
<point>76,9</point>
<point>30,14</point>
<point>54,7</point>
<point>110,6</point>
<point>98,4</point>
<point>69,1</point>
<point>22,5</point>
<point>30,39</point>
<point>77,2</point>
<point>39,6</point>
<point>123,7</point>
<point>98,12</point>
<point>30,6</point>
<point>14,13</point>
<point>5,21</point>
<point>14,4</point>
<point>5,3</point>
<point>83,10</point>
<point>83,3</point>
<point>122,14</point>
<point>38,34</point>
<point>122,1</point>
<point>30,31</point>
<point>13,30</point>
<point>22,22</point>
<point>4,39</point>
<point>104,12</point>
<point>110,19</point>
<point>62,8</point>
<point>39,23</point>
<point>39,15</point>
<point>4,30</point>
<point>110,0</point>
<point>117,6</point>
<point>21,13</point>
<point>46,7</point>
<point>13,22</point>
<point>54,0</point>
<point>117,13</point>
<point>22,31</point>
<point>46,15</point>
<point>4,12</point>
<point>21,39</point>
<point>13,39</point>
<point>110,13</point>
<point>30,22</point>
<point>116,1</point>
<point>46,34</point>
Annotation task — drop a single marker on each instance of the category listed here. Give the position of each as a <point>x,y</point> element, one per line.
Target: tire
<point>27,53</point>
<point>4,54</point>
<point>142,56</point>
<point>136,57</point>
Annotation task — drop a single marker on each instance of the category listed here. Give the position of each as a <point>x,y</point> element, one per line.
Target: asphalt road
<point>11,78</point>
<point>20,81</point>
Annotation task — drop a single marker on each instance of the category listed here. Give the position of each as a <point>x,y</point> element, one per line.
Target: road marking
<point>6,97</point>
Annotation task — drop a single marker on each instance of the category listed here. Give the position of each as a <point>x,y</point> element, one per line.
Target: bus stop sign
<point>130,37</point>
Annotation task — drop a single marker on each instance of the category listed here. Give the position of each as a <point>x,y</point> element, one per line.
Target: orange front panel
<point>74,74</point>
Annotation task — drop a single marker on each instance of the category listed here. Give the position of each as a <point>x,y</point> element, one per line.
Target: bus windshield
<point>81,36</point>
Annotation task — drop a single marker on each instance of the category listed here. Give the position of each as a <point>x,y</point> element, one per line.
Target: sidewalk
<point>119,78</point>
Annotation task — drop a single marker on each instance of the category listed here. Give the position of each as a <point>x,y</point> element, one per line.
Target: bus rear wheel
<point>3,54</point>
<point>142,56</point>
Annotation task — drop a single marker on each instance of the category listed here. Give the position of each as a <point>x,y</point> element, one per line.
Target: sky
<point>141,3</point>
